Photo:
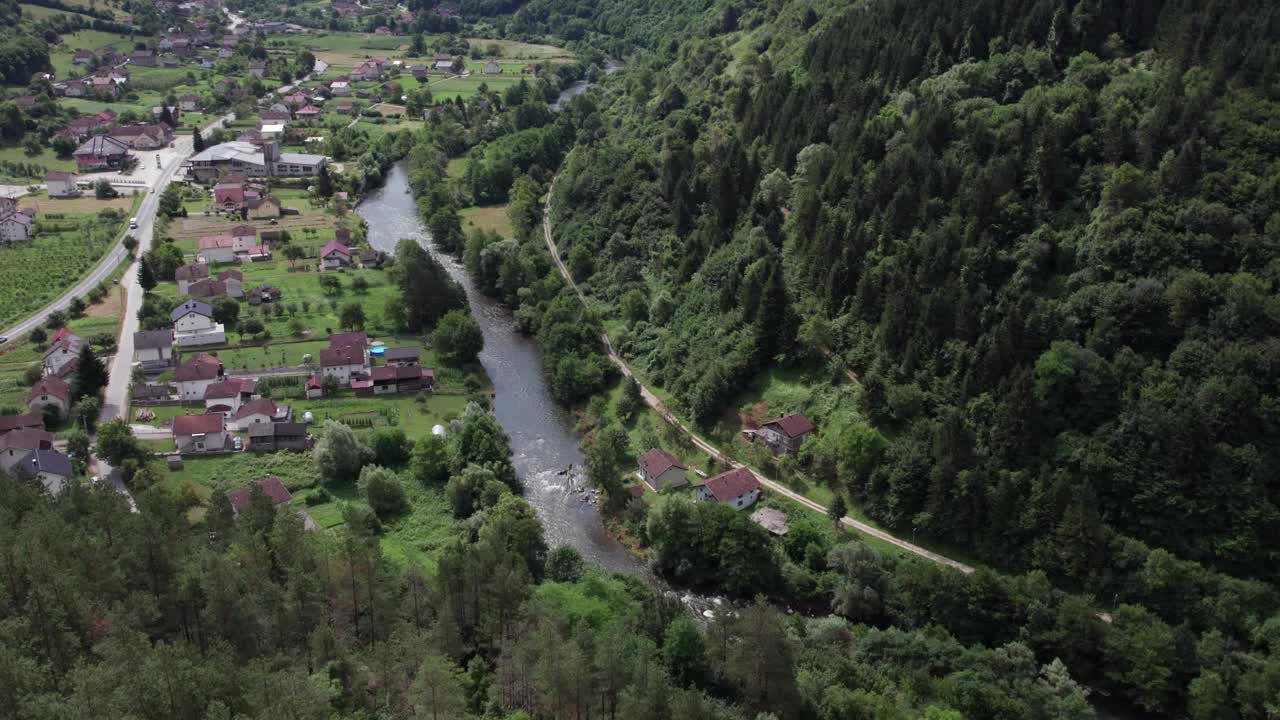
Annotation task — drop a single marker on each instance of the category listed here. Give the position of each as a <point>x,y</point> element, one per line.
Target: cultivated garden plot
<point>33,273</point>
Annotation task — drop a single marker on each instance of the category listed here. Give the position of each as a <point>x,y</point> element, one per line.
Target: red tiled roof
<point>200,367</point>
<point>656,461</point>
<point>196,424</point>
<point>10,423</point>
<point>342,355</point>
<point>194,271</point>
<point>27,438</point>
<point>228,389</point>
<point>729,485</point>
<point>793,425</point>
<point>271,486</point>
<point>335,246</point>
<point>358,337</point>
<point>210,242</point>
<point>51,385</point>
<point>387,374</point>
<point>266,406</point>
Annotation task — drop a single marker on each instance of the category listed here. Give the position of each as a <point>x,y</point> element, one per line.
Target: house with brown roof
<point>660,470</point>
<point>787,433</point>
<point>61,184</point>
<point>16,444</point>
<point>344,363</point>
<point>187,274</point>
<point>200,433</point>
<point>64,349</point>
<point>391,380</point>
<point>228,395</point>
<point>51,395</point>
<point>196,374</point>
<point>271,486</point>
<point>101,152</point>
<point>737,488</point>
<point>270,437</point>
<point>335,255</point>
<point>143,137</point>
<point>15,227</point>
<point>259,411</point>
<point>190,103</point>
<point>10,423</point>
<point>402,356</point>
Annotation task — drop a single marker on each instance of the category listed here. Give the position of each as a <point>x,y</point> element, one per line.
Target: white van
<point>133,223</point>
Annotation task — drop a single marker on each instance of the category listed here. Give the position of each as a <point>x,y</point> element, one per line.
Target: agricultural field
<point>19,168</point>
<point>34,273</point>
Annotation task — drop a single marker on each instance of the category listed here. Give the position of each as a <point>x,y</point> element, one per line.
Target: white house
<point>193,324</point>
<point>787,433</point>
<point>340,88</point>
<point>738,489</point>
<point>200,433</point>
<point>51,392</point>
<point>153,349</point>
<point>17,226</point>
<point>217,249</point>
<point>196,375</point>
<point>228,395</point>
<point>61,184</point>
<point>660,469</point>
<point>63,351</point>
<point>258,412</point>
<point>343,362</point>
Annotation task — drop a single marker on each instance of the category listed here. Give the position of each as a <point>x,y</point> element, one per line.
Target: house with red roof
<point>16,444</point>
<point>195,376</point>
<point>660,470</point>
<point>391,380</point>
<point>308,112</point>
<point>271,486</point>
<point>200,433</point>
<point>228,395</point>
<point>51,394</point>
<point>335,255</point>
<point>61,184</point>
<point>738,489</point>
<point>13,423</point>
<point>259,411</point>
<point>787,433</point>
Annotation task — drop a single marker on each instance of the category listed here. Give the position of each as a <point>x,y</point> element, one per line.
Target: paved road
<point>656,403</point>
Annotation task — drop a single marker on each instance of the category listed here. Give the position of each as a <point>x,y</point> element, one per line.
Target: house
<point>737,488</point>
<point>419,72</point>
<point>50,467</point>
<point>402,356</point>
<point>190,103</point>
<point>278,117</point>
<point>15,227</point>
<point>229,395</point>
<point>252,161</point>
<point>308,112</point>
<point>61,184</point>
<point>269,437</point>
<point>187,274</point>
<point>492,68</point>
<point>390,380</point>
<point>142,58</point>
<point>345,108</point>
<point>217,249</point>
<point>265,207</point>
<point>148,391</point>
<point>153,349</point>
<point>314,388</point>
<point>50,395</point>
<point>193,324</point>
<point>443,63</point>
<point>271,131</point>
<point>335,255</point>
<point>660,470</point>
<point>264,293</point>
<point>196,375</point>
<point>259,411</point>
<point>244,236</point>
<point>340,88</point>
<point>144,137</point>
<point>64,349</point>
<point>258,68</point>
<point>82,57</point>
<point>343,363</point>
<point>787,433</point>
<point>13,423</point>
<point>104,88</point>
<point>271,486</point>
<point>771,519</point>
<point>101,152</point>
<point>16,444</point>
<point>200,433</point>
<point>373,258</point>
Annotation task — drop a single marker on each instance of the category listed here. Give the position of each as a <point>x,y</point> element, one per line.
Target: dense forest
<point>1038,233</point>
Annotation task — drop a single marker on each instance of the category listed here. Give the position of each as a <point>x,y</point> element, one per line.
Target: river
<point>543,440</point>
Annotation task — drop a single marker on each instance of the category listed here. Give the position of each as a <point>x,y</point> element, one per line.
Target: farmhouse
<point>193,324</point>
<point>787,433</point>
<point>252,161</point>
<point>50,467</point>
<point>269,437</point>
<point>17,444</point>
<point>269,486</point>
<point>259,411</point>
<point>335,255</point>
<point>196,375</point>
<point>101,152</point>
<point>228,395</point>
<point>61,184</point>
<point>660,470</point>
<point>737,488</point>
<point>200,433</point>
<point>64,349</point>
<point>153,349</point>
<point>187,274</point>
<point>390,380</point>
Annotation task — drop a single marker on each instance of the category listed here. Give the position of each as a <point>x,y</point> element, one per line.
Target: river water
<point>543,441</point>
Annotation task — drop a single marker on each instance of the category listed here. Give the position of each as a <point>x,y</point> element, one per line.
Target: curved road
<point>656,403</point>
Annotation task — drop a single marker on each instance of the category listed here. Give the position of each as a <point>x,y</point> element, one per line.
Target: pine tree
<point>91,374</point>
<point>324,183</point>
<point>166,116</point>
<point>197,139</point>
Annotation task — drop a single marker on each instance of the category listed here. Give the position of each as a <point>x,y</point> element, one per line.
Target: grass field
<point>493,217</point>
<point>46,159</point>
<point>86,204</point>
<point>509,49</point>
<point>35,272</point>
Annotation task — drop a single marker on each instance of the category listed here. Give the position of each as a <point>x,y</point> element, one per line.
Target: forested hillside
<point>1041,234</point>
